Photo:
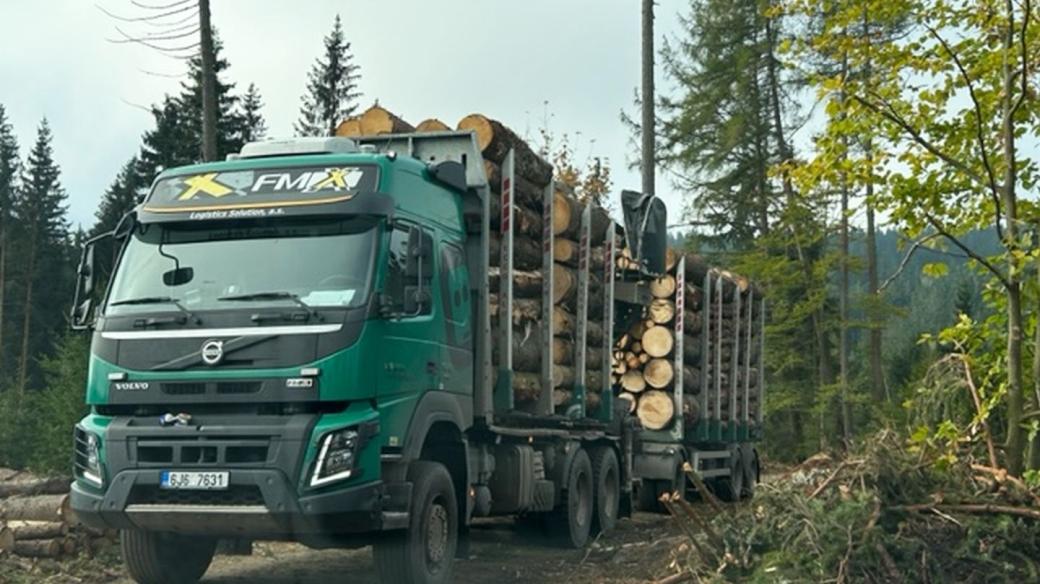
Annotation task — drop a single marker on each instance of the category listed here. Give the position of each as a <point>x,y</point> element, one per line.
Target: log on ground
<point>51,486</point>
<point>38,529</point>
<point>36,508</point>
<point>38,548</point>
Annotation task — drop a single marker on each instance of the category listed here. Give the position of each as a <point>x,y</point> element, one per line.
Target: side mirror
<point>83,301</point>
<point>420,253</point>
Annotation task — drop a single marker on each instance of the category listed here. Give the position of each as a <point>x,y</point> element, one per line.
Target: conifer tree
<point>332,90</point>
<point>253,125</point>
<point>9,168</point>
<point>43,231</point>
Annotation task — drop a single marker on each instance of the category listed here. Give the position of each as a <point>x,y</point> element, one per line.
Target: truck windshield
<point>321,264</point>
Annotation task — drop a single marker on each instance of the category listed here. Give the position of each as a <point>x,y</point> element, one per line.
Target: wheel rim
<point>584,502</point>
<point>437,525</point>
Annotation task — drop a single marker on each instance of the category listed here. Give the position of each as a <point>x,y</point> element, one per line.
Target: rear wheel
<point>165,558</point>
<point>572,520</point>
<point>731,488</point>
<point>606,478</point>
<point>425,552</point>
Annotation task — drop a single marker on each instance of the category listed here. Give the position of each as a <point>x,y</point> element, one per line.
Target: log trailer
<point>297,343</point>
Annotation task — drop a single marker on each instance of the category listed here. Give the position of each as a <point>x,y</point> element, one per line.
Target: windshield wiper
<point>261,296</point>
<point>159,300</point>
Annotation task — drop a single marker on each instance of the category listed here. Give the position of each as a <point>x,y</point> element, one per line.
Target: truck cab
<point>283,336</point>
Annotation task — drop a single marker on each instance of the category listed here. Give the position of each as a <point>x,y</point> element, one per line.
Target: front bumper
<point>259,504</point>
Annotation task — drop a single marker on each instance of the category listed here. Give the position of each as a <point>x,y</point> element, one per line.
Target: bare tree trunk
<point>1034,445</point>
<point>30,275</point>
<point>843,293</point>
<point>649,125</point>
<point>209,84</point>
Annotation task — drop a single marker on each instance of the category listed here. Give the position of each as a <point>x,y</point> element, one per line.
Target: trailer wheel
<point>572,520</point>
<point>425,552</point>
<point>731,488</point>
<point>165,558</point>
<point>605,475</point>
<point>751,472</point>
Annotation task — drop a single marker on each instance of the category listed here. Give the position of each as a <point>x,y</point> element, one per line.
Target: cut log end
<point>655,409</point>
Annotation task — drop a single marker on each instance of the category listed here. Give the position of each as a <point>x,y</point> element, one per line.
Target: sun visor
<point>266,192</point>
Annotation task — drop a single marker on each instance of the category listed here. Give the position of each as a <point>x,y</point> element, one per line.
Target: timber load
<point>695,354</point>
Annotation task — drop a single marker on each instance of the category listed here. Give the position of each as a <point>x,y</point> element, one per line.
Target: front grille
<point>239,387</point>
<point>184,388</point>
<point>235,495</point>
<point>227,450</point>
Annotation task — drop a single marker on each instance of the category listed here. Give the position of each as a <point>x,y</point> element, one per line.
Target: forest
<point>870,164</point>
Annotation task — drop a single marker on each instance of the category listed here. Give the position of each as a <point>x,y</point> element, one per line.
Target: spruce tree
<point>9,168</point>
<point>39,209</point>
<point>332,90</point>
<point>253,125</point>
<point>120,198</point>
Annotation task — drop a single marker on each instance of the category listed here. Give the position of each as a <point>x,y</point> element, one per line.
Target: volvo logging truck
<point>297,344</point>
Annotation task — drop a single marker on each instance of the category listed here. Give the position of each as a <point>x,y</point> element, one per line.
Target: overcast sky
<point>420,58</point>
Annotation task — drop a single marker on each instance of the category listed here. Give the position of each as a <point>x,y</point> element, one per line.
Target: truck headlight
<point>337,457</point>
<point>88,457</point>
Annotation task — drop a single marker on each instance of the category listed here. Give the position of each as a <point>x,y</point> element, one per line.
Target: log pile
<point>644,362</point>
<point>36,522</point>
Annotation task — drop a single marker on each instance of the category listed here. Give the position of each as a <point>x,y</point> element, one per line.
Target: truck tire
<point>751,472</point>
<point>165,558</point>
<point>571,521</point>
<point>606,478</point>
<point>425,552</point>
<point>731,488</point>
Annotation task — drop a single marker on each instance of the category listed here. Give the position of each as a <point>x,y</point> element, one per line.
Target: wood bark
<point>525,193</point>
<point>527,350</point>
<point>54,486</point>
<point>696,268</point>
<point>565,396</point>
<point>37,508</point>
<point>432,125</point>
<point>658,341</point>
<point>38,529</point>
<point>691,380</point>
<point>38,548</point>
<point>525,311</point>
<point>526,223</point>
<point>658,373</point>
<point>526,284</point>
<point>527,253</point>
<point>690,410</point>
<point>655,409</point>
<point>6,539</point>
<point>377,121</point>
<point>494,140</point>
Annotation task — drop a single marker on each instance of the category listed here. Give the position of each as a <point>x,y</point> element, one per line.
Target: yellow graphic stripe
<point>203,183</point>
<point>266,205</point>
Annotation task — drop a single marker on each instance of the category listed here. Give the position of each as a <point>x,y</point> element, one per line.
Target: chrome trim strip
<point>222,332</point>
<point>203,509</point>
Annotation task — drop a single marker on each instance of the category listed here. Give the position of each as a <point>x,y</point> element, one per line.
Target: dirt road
<point>639,550</point>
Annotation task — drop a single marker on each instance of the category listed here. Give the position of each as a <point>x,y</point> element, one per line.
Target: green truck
<point>295,344</point>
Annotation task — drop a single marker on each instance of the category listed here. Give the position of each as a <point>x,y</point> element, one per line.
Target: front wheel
<point>605,474</point>
<point>165,558</point>
<point>425,552</point>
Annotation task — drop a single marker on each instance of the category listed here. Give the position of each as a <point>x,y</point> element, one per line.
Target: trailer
<point>297,344</point>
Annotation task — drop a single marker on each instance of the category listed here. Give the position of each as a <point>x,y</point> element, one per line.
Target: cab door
<point>457,363</point>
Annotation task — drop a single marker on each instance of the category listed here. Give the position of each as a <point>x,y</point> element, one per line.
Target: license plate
<point>199,481</point>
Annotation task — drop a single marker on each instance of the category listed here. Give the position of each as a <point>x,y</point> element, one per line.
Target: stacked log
<point>36,521</point>
<point>530,335</point>
<point>739,357</point>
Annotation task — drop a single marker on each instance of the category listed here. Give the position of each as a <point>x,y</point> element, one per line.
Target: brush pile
<point>887,513</point>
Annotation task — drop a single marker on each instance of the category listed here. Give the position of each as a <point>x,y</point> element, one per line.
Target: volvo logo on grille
<point>212,352</point>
